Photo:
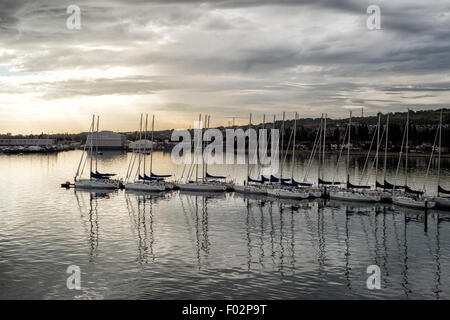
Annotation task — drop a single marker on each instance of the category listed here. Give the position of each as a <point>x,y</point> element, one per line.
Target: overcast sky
<point>224,57</point>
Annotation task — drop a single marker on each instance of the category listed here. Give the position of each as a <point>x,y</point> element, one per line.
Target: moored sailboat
<point>203,184</point>
<point>443,195</point>
<point>96,179</point>
<point>350,194</point>
<point>143,182</point>
<point>411,198</point>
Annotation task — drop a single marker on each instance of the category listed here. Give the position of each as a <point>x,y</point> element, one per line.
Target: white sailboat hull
<point>96,184</point>
<point>412,203</point>
<point>354,196</point>
<point>288,194</point>
<point>250,189</point>
<point>202,187</point>
<point>145,187</point>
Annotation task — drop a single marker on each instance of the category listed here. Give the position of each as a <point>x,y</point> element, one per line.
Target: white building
<point>106,140</point>
<point>141,144</point>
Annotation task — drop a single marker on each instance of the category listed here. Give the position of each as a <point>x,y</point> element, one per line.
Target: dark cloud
<point>232,54</point>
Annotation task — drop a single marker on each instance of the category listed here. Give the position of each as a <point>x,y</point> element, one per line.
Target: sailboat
<point>285,189</point>
<point>202,185</point>
<point>215,179</point>
<point>142,183</point>
<point>96,179</point>
<point>442,201</point>
<point>251,186</point>
<point>411,198</point>
<point>350,194</point>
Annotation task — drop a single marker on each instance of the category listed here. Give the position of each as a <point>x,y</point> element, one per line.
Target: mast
<point>248,155</point>
<point>206,162</point>
<point>282,145</point>
<point>293,148</point>
<point>145,140</point>
<point>151,155</point>
<point>378,145</point>
<point>266,137</point>
<point>323,146</point>
<point>82,156</point>
<point>92,144</point>
<point>96,144</point>
<point>139,147</point>
<point>439,152</point>
<point>320,147</point>
<point>196,146</point>
<point>348,145</point>
<point>386,148</point>
<point>203,147</point>
<point>407,148</point>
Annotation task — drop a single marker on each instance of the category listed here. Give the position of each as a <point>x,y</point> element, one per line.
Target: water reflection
<point>215,245</point>
<point>140,211</point>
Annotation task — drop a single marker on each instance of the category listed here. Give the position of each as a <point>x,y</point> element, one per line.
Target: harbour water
<point>212,246</point>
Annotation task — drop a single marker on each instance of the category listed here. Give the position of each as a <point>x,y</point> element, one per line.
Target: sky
<point>176,59</point>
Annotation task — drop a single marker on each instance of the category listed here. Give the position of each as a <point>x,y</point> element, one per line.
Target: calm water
<point>191,246</point>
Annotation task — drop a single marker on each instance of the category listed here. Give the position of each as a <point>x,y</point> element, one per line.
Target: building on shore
<point>142,145</point>
<point>106,140</point>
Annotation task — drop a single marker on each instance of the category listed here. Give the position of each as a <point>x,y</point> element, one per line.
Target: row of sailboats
<point>140,178</point>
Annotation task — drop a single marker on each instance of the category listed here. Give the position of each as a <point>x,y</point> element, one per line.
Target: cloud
<point>225,56</point>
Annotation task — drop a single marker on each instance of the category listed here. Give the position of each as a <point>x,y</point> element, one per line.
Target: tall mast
<point>203,147</point>
<point>386,148</point>
<point>348,145</point>
<point>91,147</point>
<point>248,155</point>
<point>407,148</point>
<point>196,146</point>
<point>293,148</point>
<point>378,145</point>
<point>439,152</point>
<point>319,147</point>
<point>206,162</point>
<point>145,141</point>
<point>266,137</point>
<point>139,147</point>
<point>96,144</point>
<point>323,146</point>
<point>282,144</point>
<point>151,155</point>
